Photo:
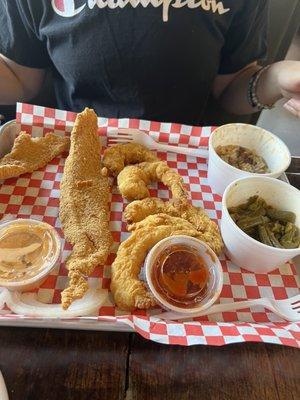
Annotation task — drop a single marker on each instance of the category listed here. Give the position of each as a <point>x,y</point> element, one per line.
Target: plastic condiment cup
<point>263,143</point>
<point>215,281</point>
<point>36,280</point>
<point>241,248</point>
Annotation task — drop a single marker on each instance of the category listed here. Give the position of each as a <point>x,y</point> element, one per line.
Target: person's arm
<point>18,83</point>
<point>23,53</point>
<point>280,80</point>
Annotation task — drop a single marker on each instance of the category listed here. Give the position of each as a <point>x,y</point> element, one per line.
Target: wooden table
<point>48,364</point>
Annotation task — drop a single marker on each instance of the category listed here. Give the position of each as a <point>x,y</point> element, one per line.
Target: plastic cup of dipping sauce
<point>29,251</point>
<point>183,274</point>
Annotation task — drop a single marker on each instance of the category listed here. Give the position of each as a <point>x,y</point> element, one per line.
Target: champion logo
<point>68,8</point>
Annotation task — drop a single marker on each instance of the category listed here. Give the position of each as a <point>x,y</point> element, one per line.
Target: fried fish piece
<point>84,210</point>
<point>133,180</point>
<point>29,154</point>
<point>136,212</point>
<point>128,290</point>
<point>115,158</point>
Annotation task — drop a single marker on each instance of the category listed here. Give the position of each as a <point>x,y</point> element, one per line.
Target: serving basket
<point>36,196</point>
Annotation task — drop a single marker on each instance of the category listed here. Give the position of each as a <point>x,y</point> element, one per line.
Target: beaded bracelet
<point>252,94</point>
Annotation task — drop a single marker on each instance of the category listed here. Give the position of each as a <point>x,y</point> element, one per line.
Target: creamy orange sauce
<point>25,250</point>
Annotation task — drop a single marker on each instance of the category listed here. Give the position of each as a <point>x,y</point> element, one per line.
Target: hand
<point>288,78</point>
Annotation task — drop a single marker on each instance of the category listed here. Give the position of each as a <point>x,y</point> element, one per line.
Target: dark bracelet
<point>252,88</point>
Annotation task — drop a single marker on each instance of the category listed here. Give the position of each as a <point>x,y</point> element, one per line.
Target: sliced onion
<point>4,293</point>
<point>27,304</point>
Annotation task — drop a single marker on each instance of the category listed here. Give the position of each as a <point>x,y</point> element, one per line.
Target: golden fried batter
<point>128,290</point>
<point>133,180</point>
<point>29,154</point>
<point>84,210</point>
<point>137,211</point>
<point>117,157</point>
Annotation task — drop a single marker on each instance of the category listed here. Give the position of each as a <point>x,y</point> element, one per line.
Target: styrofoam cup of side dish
<point>29,251</point>
<point>214,268</point>
<point>265,144</point>
<point>242,249</point>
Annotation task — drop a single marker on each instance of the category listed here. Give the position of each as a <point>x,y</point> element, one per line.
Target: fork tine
<point>130,131</point>
<point>116,141</point>
<point>118,134</point>
<point>119,137</point>
<point>295,299</point>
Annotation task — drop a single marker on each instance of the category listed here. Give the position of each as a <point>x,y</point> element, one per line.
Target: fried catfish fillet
<point>133,180</point>
<point>117,157</point>
<point>84,209</point>
<point>136,214</point>
<point>129,290</point>
<point>29,154</point>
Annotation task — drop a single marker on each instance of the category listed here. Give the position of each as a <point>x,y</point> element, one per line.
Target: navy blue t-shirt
<point>151,59</point>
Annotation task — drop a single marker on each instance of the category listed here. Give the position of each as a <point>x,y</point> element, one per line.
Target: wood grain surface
<point>243,371</point>
<point>79,365</point>
<point>40,364</point>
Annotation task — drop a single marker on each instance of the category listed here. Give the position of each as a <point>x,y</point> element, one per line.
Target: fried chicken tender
<point>29,154</point>
<point>128,290</point>
<point>115,158</point>
<point>133,180</point>
<point>136,212</point>
<point>84,210</point>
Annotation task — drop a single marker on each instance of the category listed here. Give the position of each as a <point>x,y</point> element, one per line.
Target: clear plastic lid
<point>28,250</point>
<point>214,282</point>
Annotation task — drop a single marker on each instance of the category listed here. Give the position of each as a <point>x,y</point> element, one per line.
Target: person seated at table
<point>143,58</point>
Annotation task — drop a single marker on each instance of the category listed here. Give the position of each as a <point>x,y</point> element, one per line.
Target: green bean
<point>246,223</point>
<point>266,224</point>
<point>238,210</point>
<point>274,241</point>
<point>258,204</point>
<point>234,210</point>
<point>263,235</point>
<point>291,239</point>
<point>291,245</point>
<point>290,231</point>
<point>251,232</point>
<point>261,211</point>
<point>297,242</point>
<point>252,200</point>
<point>285,216</point>
<point>235,216</point>
<point>277,228</point>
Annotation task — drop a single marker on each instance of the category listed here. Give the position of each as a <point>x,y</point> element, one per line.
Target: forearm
<point>234,98</point>
<point>18,83</point>
<point>11,88</point>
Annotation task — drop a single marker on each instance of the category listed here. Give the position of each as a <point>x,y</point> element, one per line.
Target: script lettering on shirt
<point>68,8</point>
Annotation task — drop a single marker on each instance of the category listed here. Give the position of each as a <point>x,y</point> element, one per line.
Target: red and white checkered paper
<point>37,195</point>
